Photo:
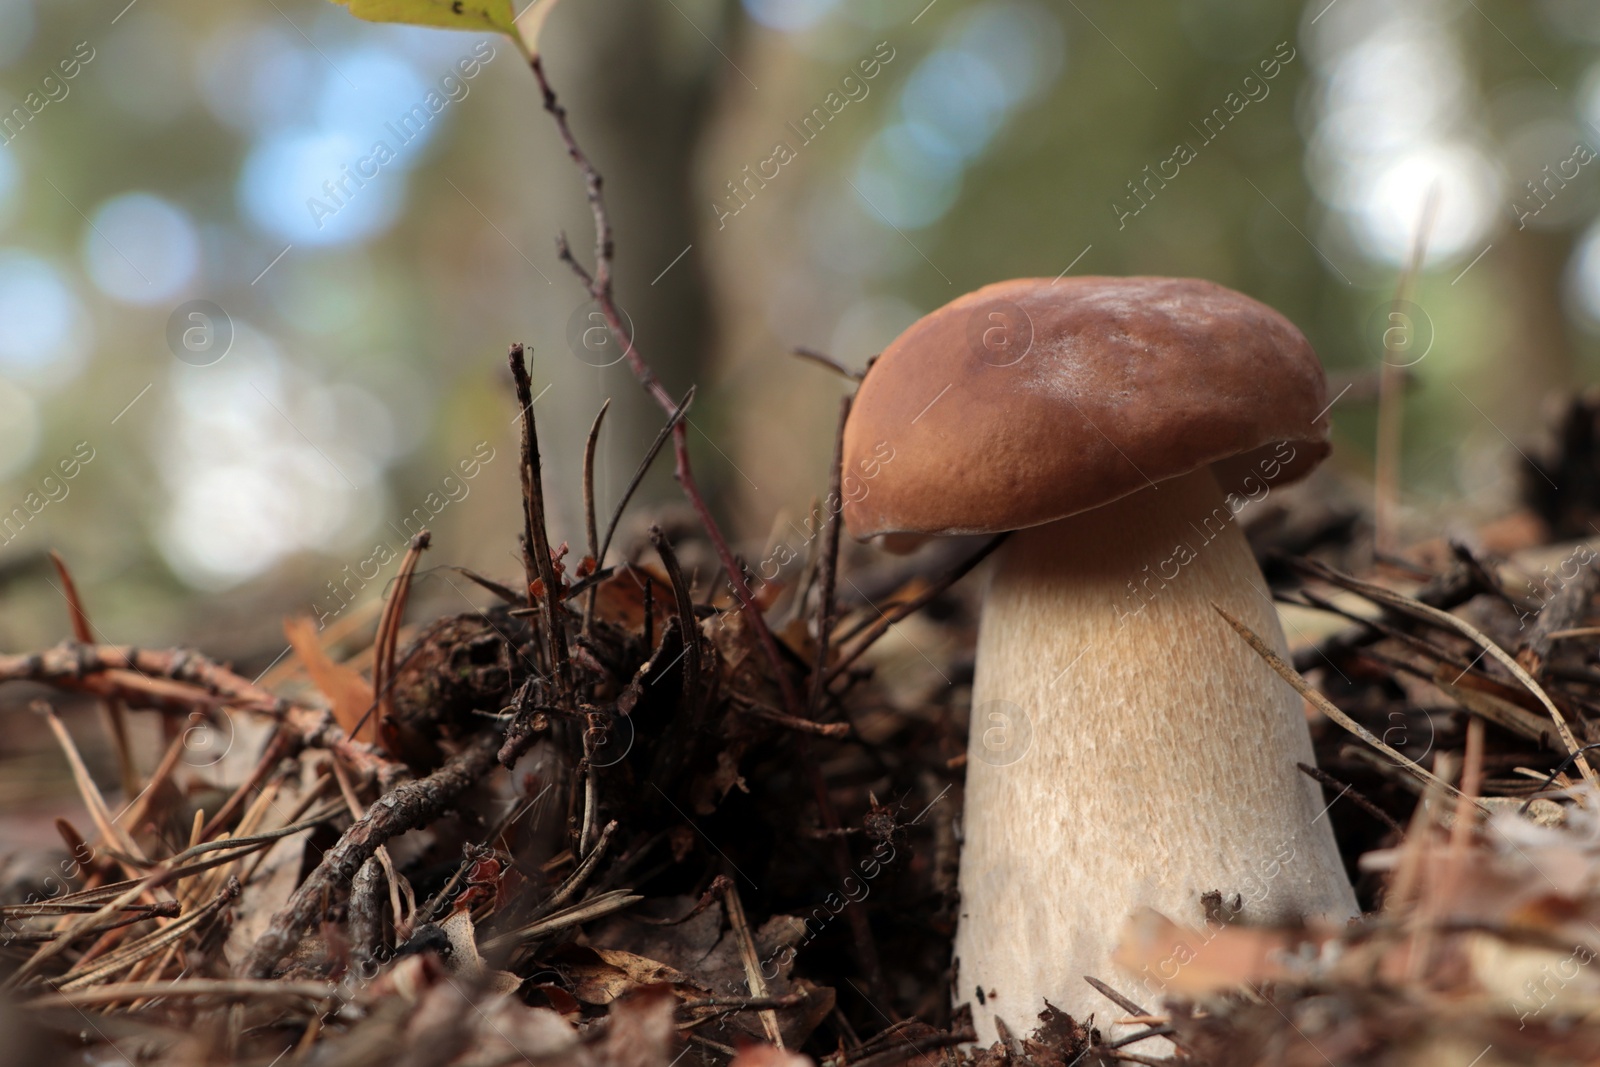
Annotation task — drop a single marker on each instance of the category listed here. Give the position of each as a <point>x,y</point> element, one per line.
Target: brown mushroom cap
<point>1031,400</point>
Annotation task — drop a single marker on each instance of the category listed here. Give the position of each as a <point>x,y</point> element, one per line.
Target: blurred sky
<point>268,348</point>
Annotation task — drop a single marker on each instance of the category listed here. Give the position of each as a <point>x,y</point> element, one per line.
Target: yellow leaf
<point>493,15</point>
<point>348,692</point>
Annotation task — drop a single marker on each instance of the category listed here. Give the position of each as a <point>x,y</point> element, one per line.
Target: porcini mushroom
<point>1126,748</point>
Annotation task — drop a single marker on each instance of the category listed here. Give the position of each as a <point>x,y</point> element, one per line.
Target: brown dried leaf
<point>620,598</point>
<point>560,1001</point>
<point>602,975</point>
<point>683,944</point>
<point>643,1032</point>
<point>348,692</point>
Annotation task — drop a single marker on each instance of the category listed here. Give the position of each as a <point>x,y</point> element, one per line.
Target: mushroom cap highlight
<point>1031,400</point>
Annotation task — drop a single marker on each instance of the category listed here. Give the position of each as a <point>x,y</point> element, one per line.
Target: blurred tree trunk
<point>641,92</point>
<point>1539,346</point>
<point>779,414</point>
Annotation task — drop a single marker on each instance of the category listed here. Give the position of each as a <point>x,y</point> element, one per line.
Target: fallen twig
<point>540,567</point>
<point>180,679</point>
<point>599,287</point>
<point>403,808</point>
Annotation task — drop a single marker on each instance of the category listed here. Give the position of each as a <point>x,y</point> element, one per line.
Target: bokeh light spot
<point>789,14</point>
<point>43,329</point>
<point>286,188</point>
<point>140,249</point>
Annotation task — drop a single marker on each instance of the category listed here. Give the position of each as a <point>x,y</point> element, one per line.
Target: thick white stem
<point>1128,750</point>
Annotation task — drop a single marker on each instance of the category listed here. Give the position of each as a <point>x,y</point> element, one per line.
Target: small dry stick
<point>178,867</point>
<point>1126,1005</point>
<point>1448,590</point>
<point>113,898</point>
<point>1356,797</point>
<point>113,834</point>
<point>915,1048</point>
<point>715,1046</point>
<point>281,745</point>
<point>1157,1030</point>
<point>116,715</point>
<point>691,628</point>
<point>750,706</point>
<point>865,947</point>
<point>1442,878</point>
<point>596,907</point>
<point>1428,648</point>
<point>739,1004</point>
<point>1328,707</point>
<point>577,878</point>
<point>1116,998</point>
<point>47,951</point>
<point>358,812</point>
<point>599,286</point>
<point>294,817</point>
<point>42,908</point>
<point>1445,620</point>
<point>591,779</point>
<point>593,543</point>
<point>133,817</point>
<point>824,360</point>
<point>165,910</point>
<point>828,565</point>
<point>638,475</point>
<point>1577,631</point>
<point>148,946</point>
<point>912,606</point>
<point>91,868</point>
<point>1442,900</point>
<point>748,954</point>
<point>807,580</point>
<point>1124,1056</point>
<point>535,537</point>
